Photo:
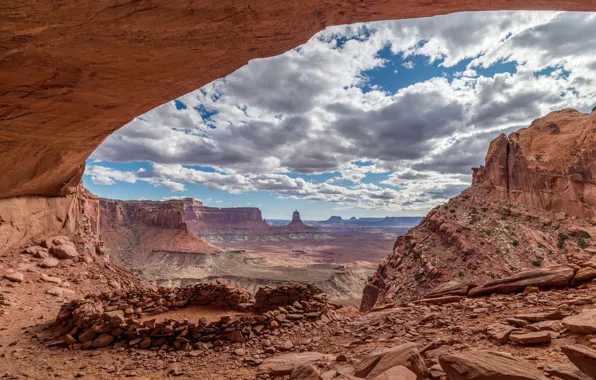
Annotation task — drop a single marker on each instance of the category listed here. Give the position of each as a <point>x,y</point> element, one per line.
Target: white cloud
<point>307,111</point>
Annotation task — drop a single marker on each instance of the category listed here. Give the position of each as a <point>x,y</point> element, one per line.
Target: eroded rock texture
<point>73,72</point>
<point>549,165</point>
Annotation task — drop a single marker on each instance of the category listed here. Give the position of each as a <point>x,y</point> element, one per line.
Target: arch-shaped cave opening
<point>382,121</point>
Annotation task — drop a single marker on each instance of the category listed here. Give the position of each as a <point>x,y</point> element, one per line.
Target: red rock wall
<point>549,165</point>
<point>26,220</point>
<point>73,72</point>
<point>166,214</point>
<point>203,220</point>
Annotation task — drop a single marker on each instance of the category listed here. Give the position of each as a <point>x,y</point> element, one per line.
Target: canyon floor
<point>339,263</point>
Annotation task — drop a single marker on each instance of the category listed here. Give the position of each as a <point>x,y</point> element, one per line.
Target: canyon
<point>182,242</point>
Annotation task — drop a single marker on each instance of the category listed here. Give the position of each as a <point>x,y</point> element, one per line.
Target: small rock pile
<point>56,248</point>
<point>98,321</point>
<point>268,298</point>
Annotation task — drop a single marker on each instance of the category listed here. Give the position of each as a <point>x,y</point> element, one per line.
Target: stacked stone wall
<point>115,318</point>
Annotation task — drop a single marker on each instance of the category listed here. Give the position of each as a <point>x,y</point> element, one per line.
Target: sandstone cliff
<point>131,230</point>
<point>209,221</point>
<point>550,166</point>
<point>532,204</point>
<point>26,220</point>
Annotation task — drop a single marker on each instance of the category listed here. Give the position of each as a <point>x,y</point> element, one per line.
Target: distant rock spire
<point>296,217</point>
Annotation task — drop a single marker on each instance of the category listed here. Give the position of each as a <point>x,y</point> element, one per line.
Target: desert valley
<point>291,248</point>
<point>177,243</point>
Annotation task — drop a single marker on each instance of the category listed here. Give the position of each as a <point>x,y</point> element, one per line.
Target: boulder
<point>14,277</point>
<point>500,332</point>
<point>398,372</point>
<point>565,371</point>
<point>582,323</point>
<point>585,274</point>
<point>305,372</point>
<point>87,336</point>
<point>544,278</point>
<point>56,240</point>
<point>487,365</point>
<point>378,362</point>
<point>283,365</point>
<point>370,294</point>
<point>49,262</point>
<point>64,252</point>
<point>526,338</point>
<point>584,358</point>
<point>102,341</point>
<point>236,336</point>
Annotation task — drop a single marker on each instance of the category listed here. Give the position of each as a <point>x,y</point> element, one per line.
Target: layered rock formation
<point>132,230</point>
<point>66,83</point>
<point>531,205</point>
<point>297,225</point>
<point>214,222</point>
<point>549,166</point>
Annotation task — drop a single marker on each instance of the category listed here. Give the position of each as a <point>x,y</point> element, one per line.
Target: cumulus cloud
<point>314,110</point>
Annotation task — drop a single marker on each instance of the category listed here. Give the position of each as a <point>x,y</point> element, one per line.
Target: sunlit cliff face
<point>375,119</point>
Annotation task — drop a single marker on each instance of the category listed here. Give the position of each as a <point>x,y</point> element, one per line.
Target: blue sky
<point>377,119</point>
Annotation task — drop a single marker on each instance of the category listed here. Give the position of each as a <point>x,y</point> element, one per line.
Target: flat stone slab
<point>441,300</point>
<point>484,365</point>
<point>536,337</point>
<point>544,278</point>
<point>14,277</point>
<point>566,371</point>
<point>582,323</point>
<point>283,365</point>
<point>539,317</point>
<point>450,288</point>
<point>583,357</point>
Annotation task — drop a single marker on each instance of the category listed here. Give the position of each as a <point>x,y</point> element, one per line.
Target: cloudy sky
<point>371,119</point>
